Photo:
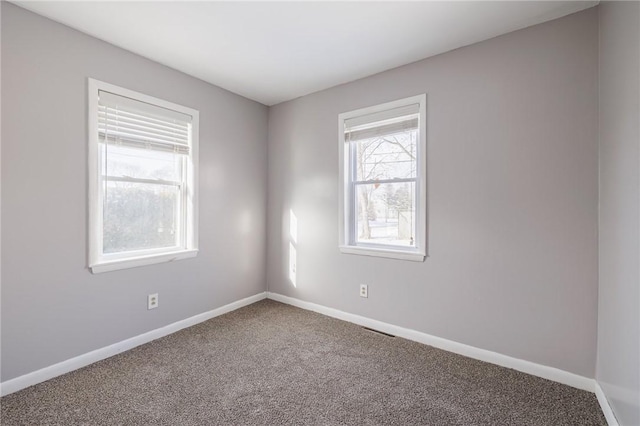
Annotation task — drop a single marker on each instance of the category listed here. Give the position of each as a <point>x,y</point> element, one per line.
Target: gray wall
<point>618,367</point>
<point>512,197</point>
<point>53,308</point>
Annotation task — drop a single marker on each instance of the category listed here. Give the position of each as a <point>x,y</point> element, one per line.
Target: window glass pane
<point>139,216</point>
<point>141,163</point>
<point>387,157</point>
<point>385,214</point>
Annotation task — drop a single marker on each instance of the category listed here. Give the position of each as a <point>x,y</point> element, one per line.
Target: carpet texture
<point>273,364</point>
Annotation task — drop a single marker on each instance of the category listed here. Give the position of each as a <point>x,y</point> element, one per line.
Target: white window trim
<point>98,263</point>
<point>417,254</point>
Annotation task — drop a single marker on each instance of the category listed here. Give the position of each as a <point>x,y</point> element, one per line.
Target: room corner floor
<point>270,363</point>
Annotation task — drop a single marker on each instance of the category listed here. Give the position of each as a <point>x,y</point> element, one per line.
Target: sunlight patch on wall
<point>293,240</point>
<point>292,264</point>
<point>293,226</point>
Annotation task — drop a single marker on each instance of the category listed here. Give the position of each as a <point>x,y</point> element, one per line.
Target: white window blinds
<point>128,122</point>
<point>383,123</point>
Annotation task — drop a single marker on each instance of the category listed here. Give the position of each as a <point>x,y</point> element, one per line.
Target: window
<point>383,175</point>
<point>142,179</point>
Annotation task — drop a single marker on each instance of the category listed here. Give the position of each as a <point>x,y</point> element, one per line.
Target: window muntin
<point>383,208</point>
<point>143,153</point>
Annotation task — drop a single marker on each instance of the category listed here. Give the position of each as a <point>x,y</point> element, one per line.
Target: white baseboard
<point>539,370</point>
<point>80,361</point>
<point>606,407</point>
<point>546,372</point>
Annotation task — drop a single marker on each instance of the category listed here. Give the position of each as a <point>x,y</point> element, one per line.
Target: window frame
<point>99,262</point>
<point>347,207</point>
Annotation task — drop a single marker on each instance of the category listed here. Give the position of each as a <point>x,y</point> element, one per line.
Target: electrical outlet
<point>364,290</point>
<point>152,301</point>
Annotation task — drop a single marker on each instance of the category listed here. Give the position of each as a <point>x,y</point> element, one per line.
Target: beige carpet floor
<point>273,364</point>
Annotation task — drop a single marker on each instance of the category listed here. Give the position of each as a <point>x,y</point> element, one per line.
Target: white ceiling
<point>275,51</point>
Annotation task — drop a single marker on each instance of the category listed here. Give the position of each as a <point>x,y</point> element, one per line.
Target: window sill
<point>389,253</point>
<point>132,262</point>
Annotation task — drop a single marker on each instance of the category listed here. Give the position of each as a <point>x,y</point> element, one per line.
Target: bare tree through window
<point>386,168</point>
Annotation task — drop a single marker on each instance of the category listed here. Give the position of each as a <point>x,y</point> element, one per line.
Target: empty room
<point>320,213</point>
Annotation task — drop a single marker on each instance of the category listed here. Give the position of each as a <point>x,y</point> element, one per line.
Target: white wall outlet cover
<point>152,301</point>
<point>364,290</point>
